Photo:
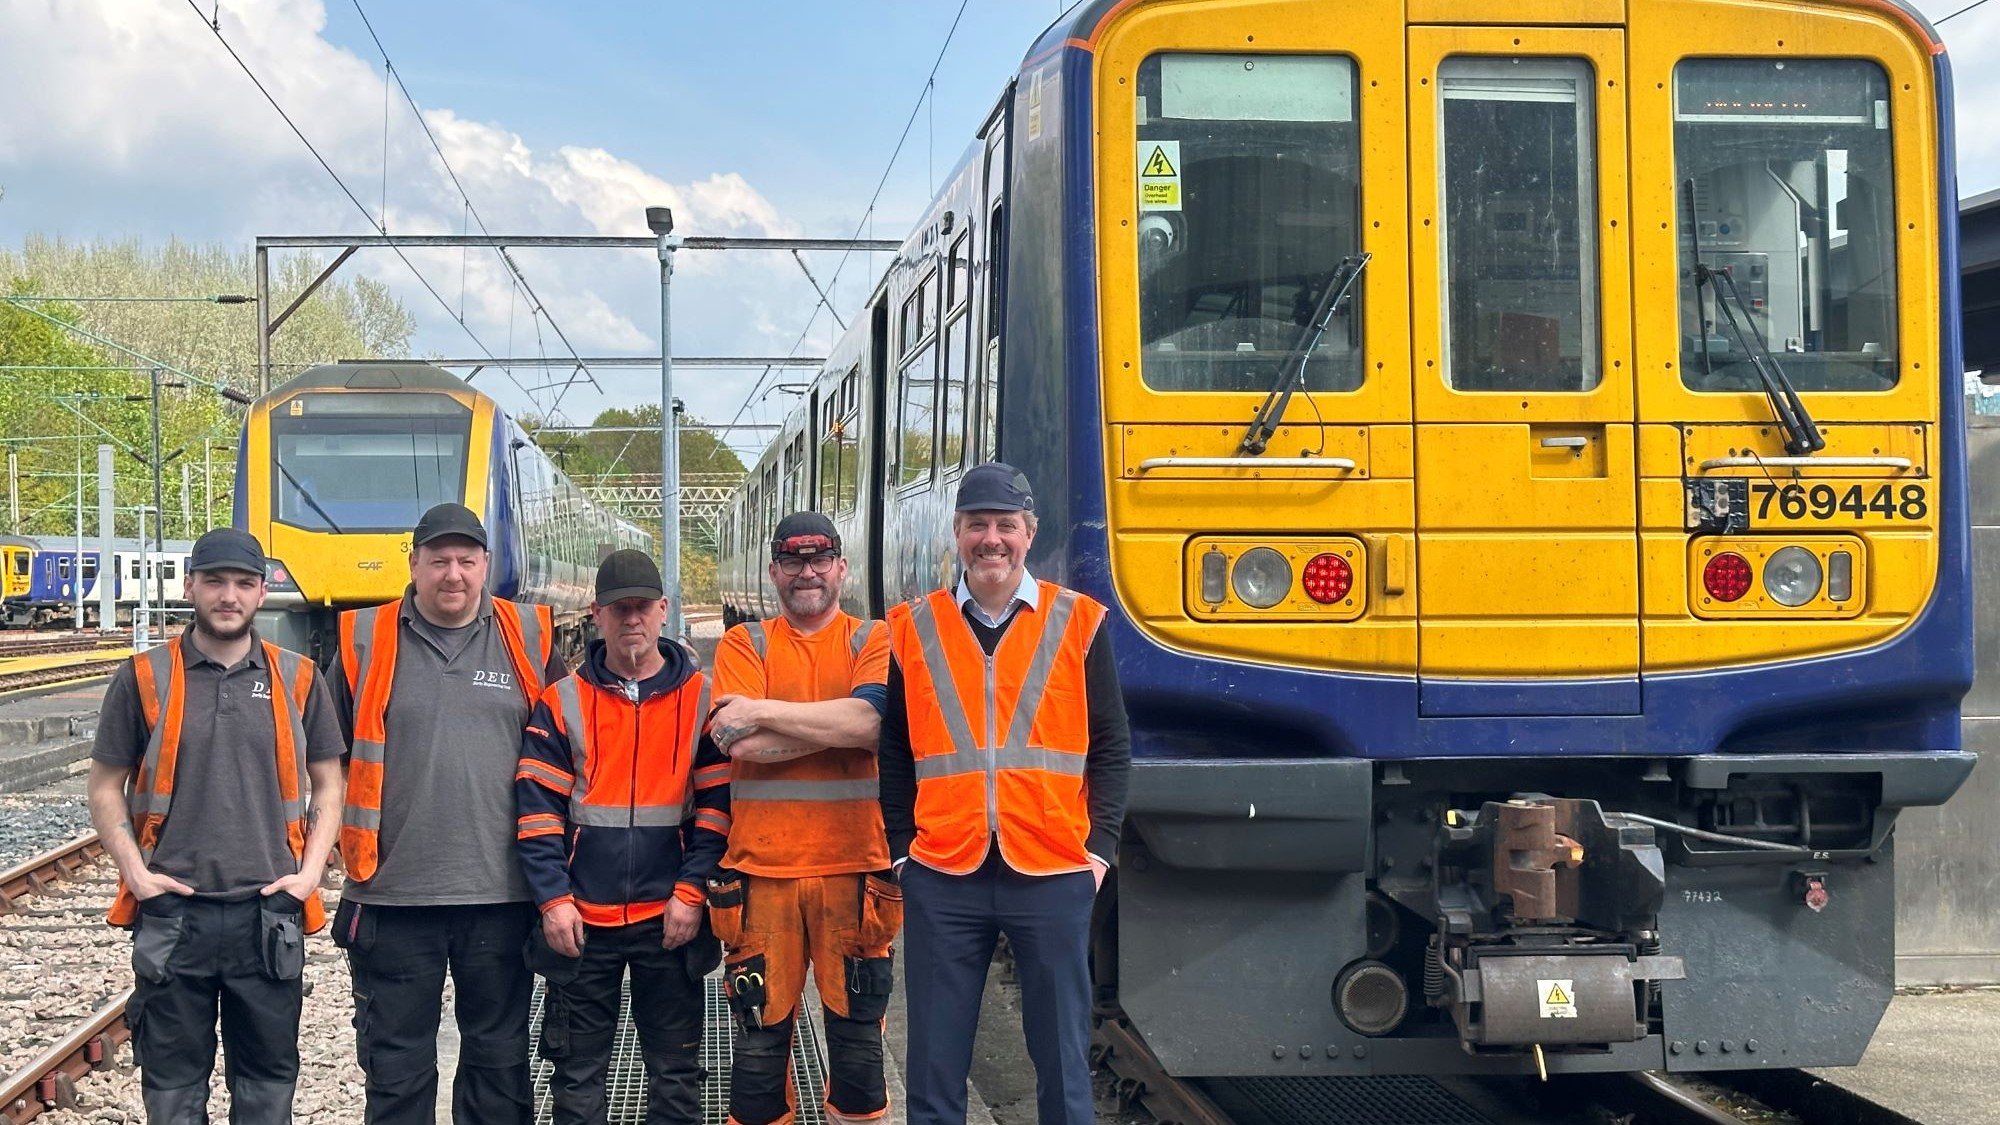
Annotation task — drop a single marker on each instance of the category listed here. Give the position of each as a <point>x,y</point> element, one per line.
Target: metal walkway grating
<point>718,1039</point>
<point>1376,1099</point>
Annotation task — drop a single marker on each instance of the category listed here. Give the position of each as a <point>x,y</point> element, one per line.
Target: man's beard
<point>810,603</point>
<point>208,626</point>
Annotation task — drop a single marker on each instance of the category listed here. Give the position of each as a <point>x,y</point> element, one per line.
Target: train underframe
<point>1479,916</point>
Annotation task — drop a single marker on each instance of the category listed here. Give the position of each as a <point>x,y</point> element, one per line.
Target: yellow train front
<point>1523,447</point>
<point>336,466</point>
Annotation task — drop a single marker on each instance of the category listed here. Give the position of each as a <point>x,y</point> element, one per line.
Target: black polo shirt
<point>225,833</point>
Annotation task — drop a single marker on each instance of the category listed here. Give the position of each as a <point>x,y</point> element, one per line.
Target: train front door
<point>1527,544</point>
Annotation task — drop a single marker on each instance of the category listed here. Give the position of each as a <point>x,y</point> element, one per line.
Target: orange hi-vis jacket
<point>820,814</point>
<point>368,640</point>
<point>1000,741</point>
<point>162,700</point>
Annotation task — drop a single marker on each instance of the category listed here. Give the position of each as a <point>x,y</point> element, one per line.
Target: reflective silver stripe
<point>364,638</point>
<point>846,789</point>
<point>367,750</point>
<point>759,643</point>
<point>139,803</point>
<point>571,700</point>
<point>1006,758</point>
<point>284,674</point>
<point>531,639</point>
<point>1037,680</point>
<point>623,816</point>
<point>368,820</point>
<point>956,724</point>
<point>694,745</point>
<point>859,641</point>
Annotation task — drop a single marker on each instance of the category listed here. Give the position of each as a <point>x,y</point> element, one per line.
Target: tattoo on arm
<point>731,733</point>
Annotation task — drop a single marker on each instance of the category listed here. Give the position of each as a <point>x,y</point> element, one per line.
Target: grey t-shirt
<point>454,742</point>
<point>225,831</point>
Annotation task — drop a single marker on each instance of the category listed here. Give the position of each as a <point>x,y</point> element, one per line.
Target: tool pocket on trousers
<point>158,933</point>
<point>744,980</point>
<point>281,935</point>
<point>554,967</point>
<point>881,913</point>
<point>869,980</point>
<point>726,895</point>
<point>353,926</point>
<point>554,1044</point>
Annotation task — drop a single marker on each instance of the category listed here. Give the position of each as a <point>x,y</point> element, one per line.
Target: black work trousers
<point>194,960</point>
<point>399,956</point>
<point>580,1020</point>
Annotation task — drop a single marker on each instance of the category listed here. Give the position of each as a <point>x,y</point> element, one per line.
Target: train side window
<point>850,428</point>
<point>957,291</point>
<point>914,439</point>
<point>827,431</point>
<point>89,570</point>
<point>1785,188</point>
<point>951,423</point>
<point>1519,207</point>
<point>62,568</point>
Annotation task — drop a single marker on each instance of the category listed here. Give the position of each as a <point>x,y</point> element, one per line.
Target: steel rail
<point>1143,1082</point>
<point>32,876</point>
<point>48,1081</point>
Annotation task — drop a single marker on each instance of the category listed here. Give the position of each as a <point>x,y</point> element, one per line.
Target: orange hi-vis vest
<point>162,701</point>
<point>368,655</point>
<point>999,741</point>
<point>820,814</point>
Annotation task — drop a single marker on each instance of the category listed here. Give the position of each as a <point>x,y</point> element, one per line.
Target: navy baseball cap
<point>448,519</point>
<point>628,574</point>
<point>995,487</point>
<point>226,548</point>
<point>805,533</point>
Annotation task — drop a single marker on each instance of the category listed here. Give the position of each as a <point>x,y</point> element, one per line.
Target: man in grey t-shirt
<point>206,750</point>
<point>435,690</point>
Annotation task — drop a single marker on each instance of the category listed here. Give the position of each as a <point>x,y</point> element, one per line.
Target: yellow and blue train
<point>1522,449</point>
<point>335,467</point>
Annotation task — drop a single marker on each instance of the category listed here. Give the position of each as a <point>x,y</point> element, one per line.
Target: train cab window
<point>1787,222</point>
<point>1519,205</point>
<point>368,462</point>
<point>1249,199</point>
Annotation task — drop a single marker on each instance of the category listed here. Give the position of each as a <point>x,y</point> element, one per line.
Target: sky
<point>128,118</point>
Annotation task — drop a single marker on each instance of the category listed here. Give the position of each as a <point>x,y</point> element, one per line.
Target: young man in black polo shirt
<point>206,749</point>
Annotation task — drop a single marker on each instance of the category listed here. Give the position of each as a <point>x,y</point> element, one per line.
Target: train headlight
<point>1792,576</point>
<point>1261,577</point>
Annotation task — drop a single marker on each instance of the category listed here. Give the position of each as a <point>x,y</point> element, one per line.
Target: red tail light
<point>1328,578</point>
<point>1726,577</point>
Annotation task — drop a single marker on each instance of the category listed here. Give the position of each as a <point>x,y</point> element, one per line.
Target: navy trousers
<point>950,925</point>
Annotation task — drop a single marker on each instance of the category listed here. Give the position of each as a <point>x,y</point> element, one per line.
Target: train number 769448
<point>1773,503</point>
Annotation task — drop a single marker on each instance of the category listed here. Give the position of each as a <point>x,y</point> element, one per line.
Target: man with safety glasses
<point>805,880</point>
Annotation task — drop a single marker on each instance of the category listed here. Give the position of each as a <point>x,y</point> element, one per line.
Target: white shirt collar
<point>1027,593</point>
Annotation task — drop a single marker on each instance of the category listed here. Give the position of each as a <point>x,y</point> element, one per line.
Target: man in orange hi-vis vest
<point>435,689</point>
<point>1004,760</point>
<point>206,749</point>
<point>805,881</point>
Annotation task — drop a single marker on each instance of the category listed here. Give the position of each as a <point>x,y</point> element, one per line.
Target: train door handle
<point>1565,442</point>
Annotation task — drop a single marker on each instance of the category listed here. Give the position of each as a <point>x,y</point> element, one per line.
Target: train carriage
<point>1522,451</point>
<point>346,458</point>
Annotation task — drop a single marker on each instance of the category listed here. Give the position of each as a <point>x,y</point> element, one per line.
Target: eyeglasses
<point>794,564</point>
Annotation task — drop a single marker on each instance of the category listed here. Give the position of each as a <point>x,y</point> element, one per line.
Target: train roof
<point>376,375</point>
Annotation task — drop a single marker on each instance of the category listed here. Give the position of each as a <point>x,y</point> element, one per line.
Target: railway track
<point>40,673</point>
<point>59,643</point>
<point>67,968</point>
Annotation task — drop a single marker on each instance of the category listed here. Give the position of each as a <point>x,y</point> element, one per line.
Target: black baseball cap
<point>628,574</point>
<point>226,548</point>
<point>448,519</point>
<point>995,487</point>
<point>805,533</point>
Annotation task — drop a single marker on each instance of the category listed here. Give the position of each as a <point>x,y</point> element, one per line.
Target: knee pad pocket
<point>869,982</point>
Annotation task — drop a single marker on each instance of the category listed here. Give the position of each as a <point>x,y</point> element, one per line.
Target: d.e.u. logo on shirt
<point>483,678</point>
<point>260,689</point>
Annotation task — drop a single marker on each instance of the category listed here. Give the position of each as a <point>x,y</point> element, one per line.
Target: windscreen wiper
<point>1802,436</point>
<point>306,495</point>
<point>1292,372</point>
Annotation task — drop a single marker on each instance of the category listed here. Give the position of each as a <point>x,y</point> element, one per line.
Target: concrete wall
<point>1948,859</point>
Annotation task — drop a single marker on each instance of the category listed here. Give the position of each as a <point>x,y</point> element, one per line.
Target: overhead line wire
<point>520,278</point>
<point>867,214</point>
<point>1960,12</point>
<point>215,26</point>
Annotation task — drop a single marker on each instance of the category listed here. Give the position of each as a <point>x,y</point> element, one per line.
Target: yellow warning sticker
<point>1159,175</point>
<point>1558,999</point>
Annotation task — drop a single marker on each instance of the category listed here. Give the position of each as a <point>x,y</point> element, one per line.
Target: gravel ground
<point>58,962</point>
<point>33,823</point>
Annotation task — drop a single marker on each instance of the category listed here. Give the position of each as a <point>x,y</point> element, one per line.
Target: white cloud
<point>129,118</point>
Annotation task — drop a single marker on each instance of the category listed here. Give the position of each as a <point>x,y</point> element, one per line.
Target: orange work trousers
<point>840,927</point>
